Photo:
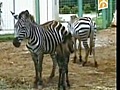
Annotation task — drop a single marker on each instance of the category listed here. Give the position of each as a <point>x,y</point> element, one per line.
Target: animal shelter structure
<point>46,10</point>
<point>43,10</point>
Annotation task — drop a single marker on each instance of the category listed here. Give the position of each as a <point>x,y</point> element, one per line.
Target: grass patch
<point>6,37</point>
<point>98,21</point>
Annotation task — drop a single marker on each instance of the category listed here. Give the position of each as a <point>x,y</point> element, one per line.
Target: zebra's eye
<point>22,27</point>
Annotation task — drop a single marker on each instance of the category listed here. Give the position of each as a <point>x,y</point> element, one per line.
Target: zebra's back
<point>45,39</point>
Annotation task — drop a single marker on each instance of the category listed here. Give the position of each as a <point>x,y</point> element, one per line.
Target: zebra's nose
<point>16,42</point>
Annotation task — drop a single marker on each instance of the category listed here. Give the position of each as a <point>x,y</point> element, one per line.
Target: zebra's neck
<point>34,40</point>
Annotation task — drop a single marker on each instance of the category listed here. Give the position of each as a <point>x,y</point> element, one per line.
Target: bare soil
<point>17,68</point>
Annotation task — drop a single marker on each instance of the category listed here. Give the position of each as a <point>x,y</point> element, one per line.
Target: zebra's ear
<point>27,12</point>
<point>16,16</point>
<point>68,22</point>
<point>13,14</point>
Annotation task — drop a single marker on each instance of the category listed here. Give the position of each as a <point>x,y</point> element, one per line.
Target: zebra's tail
<point>91,38</point>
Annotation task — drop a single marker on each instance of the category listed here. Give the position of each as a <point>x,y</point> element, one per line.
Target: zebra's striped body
<point>82,29</point>
<point>46,40</point>
<point>40,41</point>
<point>50,25</point>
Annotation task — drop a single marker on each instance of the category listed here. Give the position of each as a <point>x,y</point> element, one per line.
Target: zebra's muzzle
<point>16,42</point>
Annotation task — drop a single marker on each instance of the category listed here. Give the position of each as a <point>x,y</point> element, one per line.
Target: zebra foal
<point>40,41</point>
<point>83,28</point>
<point>63,51</point>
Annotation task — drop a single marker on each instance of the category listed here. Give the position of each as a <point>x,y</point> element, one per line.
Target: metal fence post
<point>14,8</point>
<point>110,10</point>
<point>80,11</point>
<point>104,18</point>
<point>37,11</point>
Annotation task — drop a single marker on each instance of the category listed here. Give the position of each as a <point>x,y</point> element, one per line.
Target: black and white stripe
<point>82,29</point>
<point>40,40</point>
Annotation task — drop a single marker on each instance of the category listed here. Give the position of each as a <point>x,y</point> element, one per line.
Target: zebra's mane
<point>24,14</point>
<point>53,24</point>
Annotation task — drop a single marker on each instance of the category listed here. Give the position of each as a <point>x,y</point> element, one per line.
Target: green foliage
<point>87,8</point>
<point>74,9</point>
<point>68,10</point>
<point>65,10</point>
<point>98,22</point>
<point>6,37</point>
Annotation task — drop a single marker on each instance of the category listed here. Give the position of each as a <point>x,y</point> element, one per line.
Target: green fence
<point>102,18</point>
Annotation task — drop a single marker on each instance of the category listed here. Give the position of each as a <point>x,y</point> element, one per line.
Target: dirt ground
<point>17,70</point>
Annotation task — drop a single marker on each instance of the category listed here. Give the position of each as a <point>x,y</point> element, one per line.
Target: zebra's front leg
<point>59,81</point>
<point>86,52</point>
<point>61,64</point>
<point>54,65</point>
<point>63,78</point>
<point>67,77</point>
<point>40,61</point>
<point>34,57</point>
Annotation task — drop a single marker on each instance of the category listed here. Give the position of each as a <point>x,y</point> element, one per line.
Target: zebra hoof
<point>39,87</point>
<point>68,85</point>
<point>80,58</point>
<point>35,86</point>
<point>51,76</point>
<point>74,61</point>
<point>83,63</point>
<point>96,65</point>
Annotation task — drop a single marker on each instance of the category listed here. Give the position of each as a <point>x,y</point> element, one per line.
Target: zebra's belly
<point>81,34</point>
<point>50,48</point>
<point>38,49</point>
<point>49,51</point>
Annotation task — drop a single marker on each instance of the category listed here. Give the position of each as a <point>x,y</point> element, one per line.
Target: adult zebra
<point>30,17</point>
<point>82,29</point>
<point>50,25</point>
<point>40,41</point>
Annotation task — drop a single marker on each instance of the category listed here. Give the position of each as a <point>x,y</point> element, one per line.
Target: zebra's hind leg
<point>95,62</point>
<point>80,49</point>
<point>86,52</point>
<point>54,65</point>
<point>66,70</point>
<point>75,54</point>
<point>75,57</point>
